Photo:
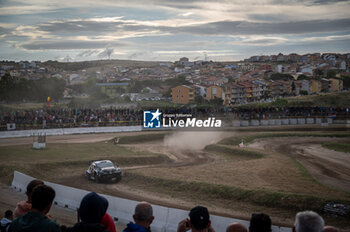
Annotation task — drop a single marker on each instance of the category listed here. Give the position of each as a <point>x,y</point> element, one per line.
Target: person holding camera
<point>199,221</point>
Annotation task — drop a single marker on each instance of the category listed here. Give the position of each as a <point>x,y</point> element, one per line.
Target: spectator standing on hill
<point>24,206</point>
<point>6,221</point>
<point>308,221</point>
<point>236,227</point>
<point>260,223</point>
<point>143,218</point>
<point>36,220</point>
<point>92,208</point>
<point>199,221</point>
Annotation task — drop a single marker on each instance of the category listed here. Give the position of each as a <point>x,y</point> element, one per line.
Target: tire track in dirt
<point>177,157</point>
<point>329,167</point>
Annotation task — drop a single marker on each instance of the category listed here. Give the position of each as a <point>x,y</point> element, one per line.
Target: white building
<point>279,68</point>
<point>343,65</point>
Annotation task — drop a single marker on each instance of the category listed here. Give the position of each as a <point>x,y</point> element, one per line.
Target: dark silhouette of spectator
<point>260,223</point>
<point>308,221</point>
<point>36,220</point>
<point>143,218</point>
<point>199,221</point>
<point>6,221</point>
<point>330,229</point>
<point>236,227</point>
<point>24,206</point>
<point>91,211</point>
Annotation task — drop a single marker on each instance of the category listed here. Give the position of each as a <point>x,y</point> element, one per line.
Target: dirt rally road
<point>329,167</point>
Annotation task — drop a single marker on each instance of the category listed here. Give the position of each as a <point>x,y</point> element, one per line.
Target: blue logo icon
<point>151,119</point>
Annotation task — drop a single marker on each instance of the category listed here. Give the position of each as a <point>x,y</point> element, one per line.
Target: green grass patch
<point>228,151</point>
<point>205,191</point>
<point>75,156</point>
<point>342,147</point>
<point>120,161</point>
<point>66,152</point>
<point>142,138</point>
<point>250,138</point>
<point>304,172</point>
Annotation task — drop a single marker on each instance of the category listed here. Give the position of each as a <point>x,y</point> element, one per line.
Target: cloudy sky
<point>165,30</point>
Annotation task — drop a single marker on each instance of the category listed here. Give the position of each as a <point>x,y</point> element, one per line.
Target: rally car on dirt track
<point>103,170</point>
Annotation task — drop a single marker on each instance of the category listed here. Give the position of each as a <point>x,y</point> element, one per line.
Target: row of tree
<point>19,89</point>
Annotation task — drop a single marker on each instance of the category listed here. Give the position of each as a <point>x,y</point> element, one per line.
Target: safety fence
<point>67,131</point>
<point>290,121</point>
<point>166,219</point>
<point>57,125</point>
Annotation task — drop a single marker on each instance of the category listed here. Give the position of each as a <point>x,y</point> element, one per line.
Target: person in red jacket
<point>108,222</point>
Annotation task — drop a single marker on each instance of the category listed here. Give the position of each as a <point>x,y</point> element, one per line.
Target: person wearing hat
<point>199,221</point>
<point>260,222</point>
<point>92,208</point>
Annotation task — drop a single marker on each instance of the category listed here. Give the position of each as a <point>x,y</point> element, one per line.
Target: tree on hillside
<point>180,80</point>
<point>346,82</point>
<point>318,72</point>
<point>293,88</point>
<point>216,101</point>
<point>13,90</point>
<point>281,76</point>
<point>331,73</point>
<point>136,87</point>
<point>7,85</point>
<point>199,99</point>
<point>303,77</point>
<point>303,92</point>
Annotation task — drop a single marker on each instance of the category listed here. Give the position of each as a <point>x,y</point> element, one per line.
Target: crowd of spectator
<point>67,117</point>
<point>93,217</point>
<point>59,118</point>
<point>290,112</point>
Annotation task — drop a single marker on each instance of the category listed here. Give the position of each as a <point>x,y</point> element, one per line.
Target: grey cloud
<point>80,26</point>
<point>68,44</point>
<point>87,53</point>
<point>5,31</point>
<point>251,28</point>
<point>268,17</point>
<point>179,5</point>
<point>91,28</point>
<point>139,54</point>
<point>214,28</point>
<point>106,53</point>
<point>220,28</point>
<point>262,41</point>
<point>307,2</point>
<point>326,2</point>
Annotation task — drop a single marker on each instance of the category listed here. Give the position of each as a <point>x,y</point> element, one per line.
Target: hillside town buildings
<point>256,79</point>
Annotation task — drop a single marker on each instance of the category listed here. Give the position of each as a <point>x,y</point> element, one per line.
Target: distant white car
<point>103,170</point>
